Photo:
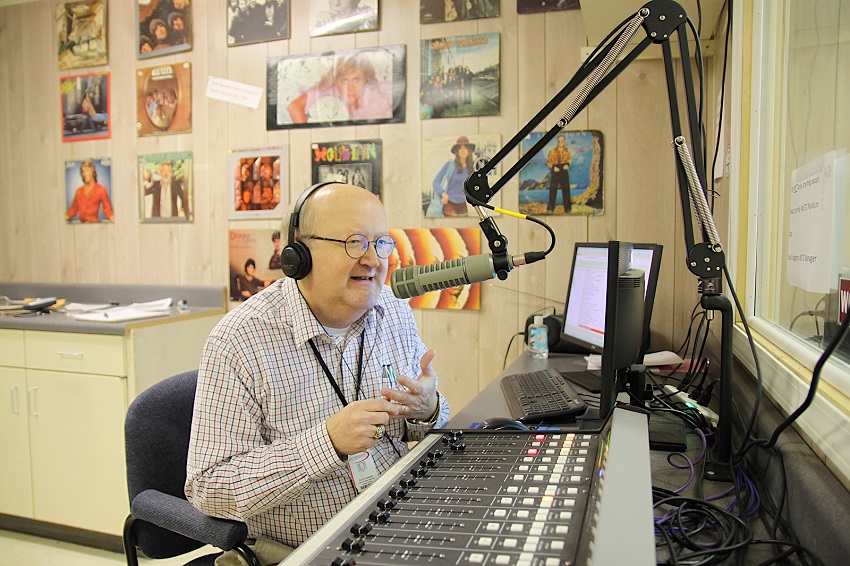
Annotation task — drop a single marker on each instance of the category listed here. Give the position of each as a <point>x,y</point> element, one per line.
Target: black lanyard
<point>334,384</point>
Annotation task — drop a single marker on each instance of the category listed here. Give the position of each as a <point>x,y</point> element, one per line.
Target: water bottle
<point>538,339</point>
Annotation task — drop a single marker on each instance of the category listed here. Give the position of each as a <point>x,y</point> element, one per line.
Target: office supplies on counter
<point>134,311</point>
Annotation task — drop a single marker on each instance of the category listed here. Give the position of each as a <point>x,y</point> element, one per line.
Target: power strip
<point>682,397</point>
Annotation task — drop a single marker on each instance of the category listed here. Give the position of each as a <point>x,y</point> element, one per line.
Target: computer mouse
<point>501,423</point>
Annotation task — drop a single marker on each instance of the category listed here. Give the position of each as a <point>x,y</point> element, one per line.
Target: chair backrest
<point>156,437</point>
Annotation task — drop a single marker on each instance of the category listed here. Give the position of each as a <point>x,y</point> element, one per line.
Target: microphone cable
<point>475,202</point>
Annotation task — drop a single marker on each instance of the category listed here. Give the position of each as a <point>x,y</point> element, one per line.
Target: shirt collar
<point>298,316</point>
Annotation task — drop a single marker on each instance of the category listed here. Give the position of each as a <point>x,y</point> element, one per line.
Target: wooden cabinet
<point>62,418</point>
<point>76,432</point>
<point>15,474</point>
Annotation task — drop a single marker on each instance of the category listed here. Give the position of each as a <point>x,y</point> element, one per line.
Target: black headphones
<point>295,258</point>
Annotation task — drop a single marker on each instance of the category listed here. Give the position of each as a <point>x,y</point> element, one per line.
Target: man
<point>558,160</point>
<point>278,409</point>
<point>274,262</point>
<point>159,33</point>
<point>165,193</point>
<point>89,111</point>
<point>89,197</point>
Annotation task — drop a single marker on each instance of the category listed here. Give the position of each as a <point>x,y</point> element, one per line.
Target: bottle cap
<point>538,319</point>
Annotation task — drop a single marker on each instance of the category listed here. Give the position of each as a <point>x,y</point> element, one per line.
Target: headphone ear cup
<point>296,260</point>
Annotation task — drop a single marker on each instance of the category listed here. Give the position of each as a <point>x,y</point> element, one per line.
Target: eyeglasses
<point>357,244</point>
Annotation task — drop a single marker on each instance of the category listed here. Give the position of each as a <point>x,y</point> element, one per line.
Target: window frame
<point>786,361</point>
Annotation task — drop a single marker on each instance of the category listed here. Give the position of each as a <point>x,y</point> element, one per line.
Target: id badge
<point>362,469</point>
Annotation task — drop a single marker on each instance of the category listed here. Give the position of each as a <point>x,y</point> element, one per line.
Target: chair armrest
<point>180,516</point>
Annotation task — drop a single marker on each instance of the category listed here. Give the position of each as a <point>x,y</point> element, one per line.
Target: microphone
<point>417,280</point>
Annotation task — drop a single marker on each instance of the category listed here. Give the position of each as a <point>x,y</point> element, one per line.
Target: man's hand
<point>420,399</point>
<point>353,429</point>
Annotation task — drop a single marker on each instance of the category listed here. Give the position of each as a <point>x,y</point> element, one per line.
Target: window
<point>798,243</point>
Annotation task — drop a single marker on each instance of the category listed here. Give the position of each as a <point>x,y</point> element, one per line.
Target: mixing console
<point>478,497</point>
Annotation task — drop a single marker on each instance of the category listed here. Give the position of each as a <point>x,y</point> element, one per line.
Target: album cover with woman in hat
<point>447,161</point>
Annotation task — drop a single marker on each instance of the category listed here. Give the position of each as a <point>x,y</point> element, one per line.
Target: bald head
<point>334,202</point>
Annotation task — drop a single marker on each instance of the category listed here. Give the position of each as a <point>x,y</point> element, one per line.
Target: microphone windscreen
<point>419,279</point>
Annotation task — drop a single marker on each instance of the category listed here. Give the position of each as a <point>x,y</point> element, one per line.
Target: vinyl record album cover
<point>165,187</point>
<point>567,170</point>
<point>336,88</point>
<point>88,190</point>
<point>251,22</point>
<point>81,31</point>
<point>355,162</point>
<point>423,246</point>
<point>164,100</point>
<point>459,76</point>
<point>84,103</point>
<point>256,180</point>
<point>164,27</point>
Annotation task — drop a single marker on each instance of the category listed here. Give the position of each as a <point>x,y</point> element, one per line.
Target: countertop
<point>199,301</point>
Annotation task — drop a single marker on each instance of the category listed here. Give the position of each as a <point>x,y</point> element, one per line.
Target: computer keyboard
<point>542,396</point>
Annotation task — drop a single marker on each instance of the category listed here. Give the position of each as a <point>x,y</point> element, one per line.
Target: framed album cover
<point>88,190</point>
<point>256,179</point>
<point>336,88</point>
<point>81,31</point>
<point>447,161</point>
<point>254,260</point>
<point>165,187</point>
<point>565,177</point>
<point>164,100</point>
<point>459,76</point>
<point>250,22</point>
<point>355,162</point>
<point>329,17</point>
<point>84,102</point>
<point>436,11</point>
<point>164,27</point>
<point>537,6</point>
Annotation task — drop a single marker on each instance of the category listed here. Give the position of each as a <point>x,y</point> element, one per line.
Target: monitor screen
<point>584,315</point>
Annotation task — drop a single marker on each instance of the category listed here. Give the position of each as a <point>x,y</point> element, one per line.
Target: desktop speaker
<point>554,323</point>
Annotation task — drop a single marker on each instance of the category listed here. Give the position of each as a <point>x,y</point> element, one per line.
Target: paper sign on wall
<point>811,239</point>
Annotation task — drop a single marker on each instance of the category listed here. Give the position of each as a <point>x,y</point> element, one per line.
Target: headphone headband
<point>295,218</point>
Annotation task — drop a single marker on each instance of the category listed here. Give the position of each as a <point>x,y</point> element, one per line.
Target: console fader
<point>476,497</point>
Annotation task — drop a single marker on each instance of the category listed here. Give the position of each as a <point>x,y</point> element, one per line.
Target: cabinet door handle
<point>31,401</point>
<point>70,355</point>
<point>13,395</point>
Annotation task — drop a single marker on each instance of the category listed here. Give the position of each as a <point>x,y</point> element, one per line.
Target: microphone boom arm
<point>660,19</point>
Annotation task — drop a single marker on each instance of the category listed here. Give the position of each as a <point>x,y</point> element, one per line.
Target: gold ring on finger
<point>379,432</point>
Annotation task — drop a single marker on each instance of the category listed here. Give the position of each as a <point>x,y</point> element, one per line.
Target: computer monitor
<point>624,316</point>
<point>584,315</point>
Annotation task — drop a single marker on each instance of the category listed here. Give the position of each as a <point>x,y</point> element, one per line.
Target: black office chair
<point>162,523</point>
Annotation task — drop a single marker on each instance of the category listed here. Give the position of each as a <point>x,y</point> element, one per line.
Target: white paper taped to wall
<point>814,234</point>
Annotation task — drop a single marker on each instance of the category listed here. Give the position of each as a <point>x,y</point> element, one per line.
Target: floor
<point>21,549</point>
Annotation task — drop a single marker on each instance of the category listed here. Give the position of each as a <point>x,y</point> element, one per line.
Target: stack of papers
<point>135,311</point>
<point>654,359</point>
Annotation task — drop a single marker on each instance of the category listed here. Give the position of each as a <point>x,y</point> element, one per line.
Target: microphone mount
<point>661,21</point>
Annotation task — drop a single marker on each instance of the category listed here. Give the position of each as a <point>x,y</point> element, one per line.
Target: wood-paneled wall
<point>539,54</point>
